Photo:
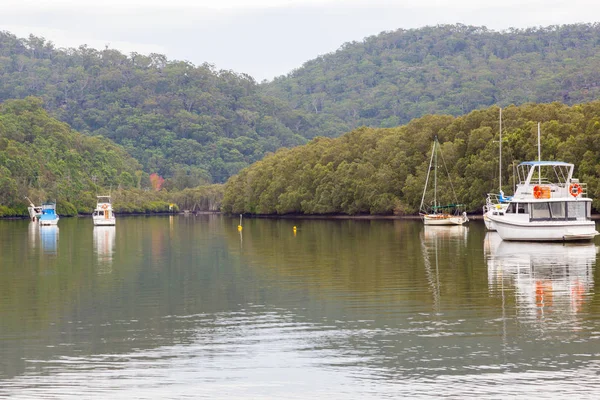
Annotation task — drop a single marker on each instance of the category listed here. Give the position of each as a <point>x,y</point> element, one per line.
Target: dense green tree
<point>382,171</point>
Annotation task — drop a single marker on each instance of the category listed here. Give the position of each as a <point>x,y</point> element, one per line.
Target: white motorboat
<point>548,205</point>
<point>103,214</point>
<point>437,214</point>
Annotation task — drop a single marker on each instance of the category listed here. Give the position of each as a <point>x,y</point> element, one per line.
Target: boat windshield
<point>544,172</point>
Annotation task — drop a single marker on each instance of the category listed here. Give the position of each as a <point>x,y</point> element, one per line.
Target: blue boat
<point>49,215</point>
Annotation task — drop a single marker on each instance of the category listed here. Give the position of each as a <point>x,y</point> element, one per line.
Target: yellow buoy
<point>239,227</point>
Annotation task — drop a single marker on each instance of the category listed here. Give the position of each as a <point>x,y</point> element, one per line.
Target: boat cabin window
<point>518,208</point>
<point>578,210</point>
<point>557,210</point>
<point>540,211</point>
<point>571,210</point>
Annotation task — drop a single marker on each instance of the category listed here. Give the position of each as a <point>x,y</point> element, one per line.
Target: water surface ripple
<point>188,307</point>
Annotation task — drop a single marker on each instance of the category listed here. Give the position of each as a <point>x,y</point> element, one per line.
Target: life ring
<point>575,189</point>
<point>537,191</point>
<point>104,206</point>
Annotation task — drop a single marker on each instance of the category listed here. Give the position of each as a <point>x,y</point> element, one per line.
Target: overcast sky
<point>263,38</point>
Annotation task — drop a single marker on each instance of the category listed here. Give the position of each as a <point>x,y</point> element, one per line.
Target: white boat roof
<point>543,163</point>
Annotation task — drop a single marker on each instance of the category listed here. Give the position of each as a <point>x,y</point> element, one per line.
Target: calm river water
<point>188,307</point>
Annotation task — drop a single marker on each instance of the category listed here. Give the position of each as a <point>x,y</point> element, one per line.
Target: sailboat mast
<point>427,179</point>
<point>500,157</point>
<point>435,176</point>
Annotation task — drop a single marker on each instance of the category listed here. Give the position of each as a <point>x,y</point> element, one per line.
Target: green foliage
<point>42,158</point>
<point>382,171</point>
<point>191,123</point>
<point>195,125</point>
<point>391,78</point>
<point>203,198</point>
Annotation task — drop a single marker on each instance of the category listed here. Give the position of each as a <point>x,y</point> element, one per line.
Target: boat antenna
<point>539,157</point>
<point>500,157</point>
<point>435,176</point>
<point>539,147</point>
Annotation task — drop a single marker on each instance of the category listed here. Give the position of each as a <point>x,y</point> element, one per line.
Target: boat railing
<point>545,189</point>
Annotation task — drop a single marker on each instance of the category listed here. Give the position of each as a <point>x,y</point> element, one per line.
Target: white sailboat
<point>549,204</point>
<point>439,214</point>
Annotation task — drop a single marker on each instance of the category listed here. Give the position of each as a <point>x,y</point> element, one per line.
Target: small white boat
<point>442,218</point>
<point>437,214</point>
<point>48,216</point>
<point>103,214</point>
<point>495,204</point>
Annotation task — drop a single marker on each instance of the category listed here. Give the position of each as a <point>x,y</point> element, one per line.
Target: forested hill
<point>195,124</point>
<point>189,123</point>
<point>383,170</point>
<point>389,79</point>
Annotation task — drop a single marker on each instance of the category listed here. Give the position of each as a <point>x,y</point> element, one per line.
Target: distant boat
<point>437,214</point>
<point>35,212</point>
<point>495,204</point>
<point>49,215</point>
<point>103,214</point>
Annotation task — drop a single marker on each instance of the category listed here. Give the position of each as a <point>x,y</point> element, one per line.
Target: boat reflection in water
<point>455,233</point>
<point>104,245</point>
<point>547,277</point>
<point>49,238</point>
<point>33,232</point>
<point>436,240</point>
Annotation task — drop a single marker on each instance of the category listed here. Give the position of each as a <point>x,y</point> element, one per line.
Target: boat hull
<point>444,220</point>
<point>489,224</point>
<point>48,222</point>
<point>491,210</point>
<point>101,221</point>
<point>545,231</point>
